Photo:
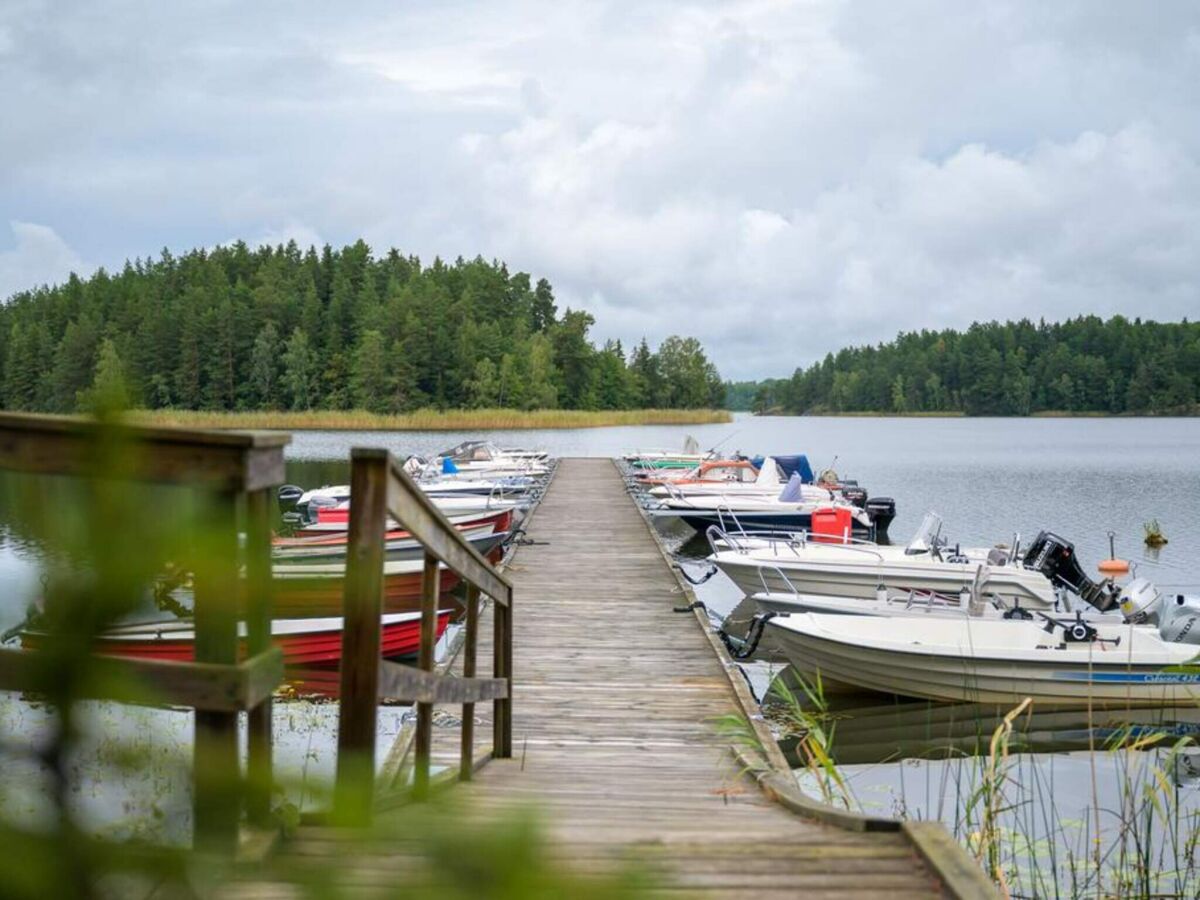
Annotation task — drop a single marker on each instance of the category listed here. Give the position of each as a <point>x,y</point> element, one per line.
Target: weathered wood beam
<point>361,640</point>
<point>400,682</point>
<point>66,445</point>
<point>151,682</point>
<point>258,586</point>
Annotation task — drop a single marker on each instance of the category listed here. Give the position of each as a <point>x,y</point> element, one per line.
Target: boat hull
<point>785,576</point>
<point>700,520</point>
<point>1106,681</point>
<point>323,647</point>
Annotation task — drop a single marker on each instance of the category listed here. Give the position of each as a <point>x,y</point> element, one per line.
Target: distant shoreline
<point>427,419</point>
<point>1042,414</point>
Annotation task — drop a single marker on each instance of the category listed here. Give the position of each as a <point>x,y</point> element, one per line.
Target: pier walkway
<point>614,741</point>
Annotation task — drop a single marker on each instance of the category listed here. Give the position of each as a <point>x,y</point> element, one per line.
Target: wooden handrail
<point>379,488</point>
<point>154,682</point>
<point>420,516</point>
<point>237,461</point>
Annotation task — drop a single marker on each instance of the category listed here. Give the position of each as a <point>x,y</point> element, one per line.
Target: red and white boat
<point>317,590</point>
<point>334,521</point>
<point>305,642</point>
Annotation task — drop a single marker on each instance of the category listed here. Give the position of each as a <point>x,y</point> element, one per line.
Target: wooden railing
<point>379,488</point>
<point>237,469</point>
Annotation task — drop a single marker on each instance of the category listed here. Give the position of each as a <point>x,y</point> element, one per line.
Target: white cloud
<point>38,257</point>
<point>778,179</point>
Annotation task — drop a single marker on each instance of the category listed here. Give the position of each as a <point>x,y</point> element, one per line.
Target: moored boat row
<point>483,491</point>
<point>926,619</point>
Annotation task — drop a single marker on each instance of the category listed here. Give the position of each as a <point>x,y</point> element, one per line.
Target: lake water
<point>988,478</point>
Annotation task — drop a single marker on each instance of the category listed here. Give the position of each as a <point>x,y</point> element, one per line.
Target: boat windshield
<point>926,537</point>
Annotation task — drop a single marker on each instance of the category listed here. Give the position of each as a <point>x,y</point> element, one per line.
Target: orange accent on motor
<point>832,524</point>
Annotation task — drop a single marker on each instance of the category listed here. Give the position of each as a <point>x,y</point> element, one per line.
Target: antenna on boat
<point>713,448</point>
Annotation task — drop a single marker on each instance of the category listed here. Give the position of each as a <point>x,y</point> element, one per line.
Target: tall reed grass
<point>1131,828</point>
<point>427,419</point>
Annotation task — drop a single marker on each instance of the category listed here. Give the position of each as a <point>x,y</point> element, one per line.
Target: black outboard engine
<point>855,494</point>
<point>1055,558</point>
<point>288,495</point>
<point>881,510</point>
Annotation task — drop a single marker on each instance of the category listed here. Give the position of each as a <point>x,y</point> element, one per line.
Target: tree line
<point>241,328</point>
<point>1084,365</point>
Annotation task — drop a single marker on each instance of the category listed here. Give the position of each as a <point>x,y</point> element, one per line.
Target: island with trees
<point>237,328</point>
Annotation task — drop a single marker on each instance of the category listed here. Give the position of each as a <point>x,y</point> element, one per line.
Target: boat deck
<point>614,740</point>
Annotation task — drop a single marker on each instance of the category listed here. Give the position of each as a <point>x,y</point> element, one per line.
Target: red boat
<point>335,520</point>
<point>305,642</point>
<point>311,590</point>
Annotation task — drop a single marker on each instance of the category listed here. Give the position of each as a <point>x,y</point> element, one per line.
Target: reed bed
<point>1011,809</point>
<point>428,419</point>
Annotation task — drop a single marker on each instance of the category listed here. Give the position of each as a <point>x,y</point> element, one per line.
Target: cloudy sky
<point>778,179</point>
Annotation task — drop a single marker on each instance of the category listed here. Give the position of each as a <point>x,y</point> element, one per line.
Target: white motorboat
<point>737,479</point>
<point>484,456</point>
<point>1061,663</point>
<point>790,511</point>
<point>802,564</point>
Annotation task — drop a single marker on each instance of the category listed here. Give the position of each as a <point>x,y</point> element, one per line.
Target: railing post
<point>466,759</point>
<point>216,774</point>
<point>430,594</point>
<point>502,668</point>
<point>258,639</point>
<point>354,790</point>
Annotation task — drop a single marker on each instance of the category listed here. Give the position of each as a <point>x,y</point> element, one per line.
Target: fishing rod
<point>713,449</point>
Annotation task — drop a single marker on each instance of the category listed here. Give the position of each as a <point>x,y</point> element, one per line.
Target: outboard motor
<point>855,495</point>
<point>1055,558</point>
<point>1179,619</point>
<point>1177,616</point>
<point>288,495</point>
<point>881,510</point>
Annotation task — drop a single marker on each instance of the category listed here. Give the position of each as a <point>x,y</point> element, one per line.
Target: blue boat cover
<point>448,466</point>
<point>796,465</point>
<point>791,492</point>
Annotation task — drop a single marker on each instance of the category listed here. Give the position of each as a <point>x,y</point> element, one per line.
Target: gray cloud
<point>778,179</point>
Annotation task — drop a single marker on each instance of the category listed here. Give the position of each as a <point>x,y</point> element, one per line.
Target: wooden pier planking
<point>613,739</point>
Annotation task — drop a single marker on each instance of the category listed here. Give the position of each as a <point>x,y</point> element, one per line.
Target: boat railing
<point>232,472</point>
<point>763,569</point>
<point>379,487</point>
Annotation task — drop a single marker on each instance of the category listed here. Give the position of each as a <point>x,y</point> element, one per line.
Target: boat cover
<point>448,466</point>
<point>768,473</point>
<point>793,491</point>
<point>792,465</point>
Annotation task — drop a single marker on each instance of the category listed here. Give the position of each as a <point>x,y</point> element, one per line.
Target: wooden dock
<point>613,735</point>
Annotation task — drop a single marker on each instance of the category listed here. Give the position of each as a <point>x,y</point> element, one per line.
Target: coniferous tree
<point>264,368</point>
<point>299,372</point>
<point>370,377</point>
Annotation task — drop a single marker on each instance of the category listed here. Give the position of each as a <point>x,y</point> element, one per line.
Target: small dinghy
<point>305,642</point>
<point>1059,662</point>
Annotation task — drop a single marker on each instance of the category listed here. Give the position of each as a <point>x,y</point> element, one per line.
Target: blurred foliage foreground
<point>105,541</point>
